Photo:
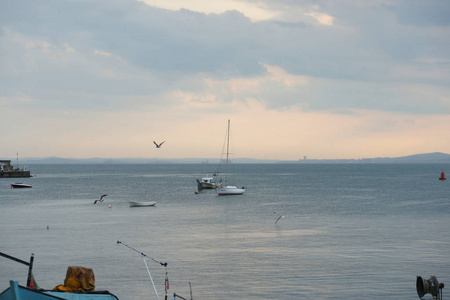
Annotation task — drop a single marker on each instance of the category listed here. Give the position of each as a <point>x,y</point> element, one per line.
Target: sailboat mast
<point>228,151</point>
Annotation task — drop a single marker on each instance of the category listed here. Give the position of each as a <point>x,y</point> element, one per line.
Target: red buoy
<point>442,176</point>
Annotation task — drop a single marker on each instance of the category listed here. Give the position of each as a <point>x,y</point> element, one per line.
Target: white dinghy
<point>141,204</point>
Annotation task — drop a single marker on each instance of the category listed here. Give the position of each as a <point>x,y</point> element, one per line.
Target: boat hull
<point>141,204</point>
<point>20,185</point>
<point>230,190</point>
<point>17,292</point>
<point>206,185</point>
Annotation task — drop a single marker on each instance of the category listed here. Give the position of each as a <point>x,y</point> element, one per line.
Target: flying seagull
<point>158,145</point>
<point>280,217</point>
<point>101,198</point>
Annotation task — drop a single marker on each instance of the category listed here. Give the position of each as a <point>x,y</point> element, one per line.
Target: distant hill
<point>436,157</point>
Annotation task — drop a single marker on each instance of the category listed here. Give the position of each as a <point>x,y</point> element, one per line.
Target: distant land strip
<point>436,157</point>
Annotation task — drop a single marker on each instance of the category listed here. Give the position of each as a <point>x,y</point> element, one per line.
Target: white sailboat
<point>224,189</point>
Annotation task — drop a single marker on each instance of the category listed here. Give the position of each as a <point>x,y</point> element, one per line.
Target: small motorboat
<point>209,182</point>
<point>19,185</point>
<point>442,176</point>
<point>141,204</point>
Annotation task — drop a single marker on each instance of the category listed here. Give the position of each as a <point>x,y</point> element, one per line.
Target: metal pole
<point>228,149</point>
<point>30,268</point>
<point>15,259</point>
<point>175,295</point>
<point>143,254</point>
<point>166,283</point>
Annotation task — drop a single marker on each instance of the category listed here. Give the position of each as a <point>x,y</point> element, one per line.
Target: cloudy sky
<point>323,79</point>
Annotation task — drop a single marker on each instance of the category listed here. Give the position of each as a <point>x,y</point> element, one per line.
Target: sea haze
<point>350,231</point>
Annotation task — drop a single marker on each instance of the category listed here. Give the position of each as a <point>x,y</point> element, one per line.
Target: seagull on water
<point>158,145</point>
<point>101,198</point>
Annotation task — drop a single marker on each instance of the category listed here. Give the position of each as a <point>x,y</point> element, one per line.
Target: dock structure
<point>7,170</point>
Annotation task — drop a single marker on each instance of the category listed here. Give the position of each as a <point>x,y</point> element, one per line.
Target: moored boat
<point>230,190</point>
<point>225,189</point>
<point>209,182</point>
<point>141,204</point>
<point>18,292</point>
<point>19,185</point>
<point>78,285</point>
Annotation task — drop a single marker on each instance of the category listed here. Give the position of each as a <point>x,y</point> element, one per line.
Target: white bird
<point>101,198</point>
<point>280,217</point>
<point>158,145</point>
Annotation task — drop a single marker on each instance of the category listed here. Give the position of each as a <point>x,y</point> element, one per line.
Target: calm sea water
<point>350,231</point>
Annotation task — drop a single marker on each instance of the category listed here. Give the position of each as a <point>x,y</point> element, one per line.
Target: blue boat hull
<point>17,292</point>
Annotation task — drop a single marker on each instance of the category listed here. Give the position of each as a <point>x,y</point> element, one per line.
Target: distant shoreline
<point>436,157</point>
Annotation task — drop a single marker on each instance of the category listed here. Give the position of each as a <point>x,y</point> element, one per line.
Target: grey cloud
<point>422,13</point>
<point>154,50</point>
<point>149,37</point>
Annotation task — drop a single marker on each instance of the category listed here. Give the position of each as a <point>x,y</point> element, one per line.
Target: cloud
<point>96,51</point>
<point>100,50</point>
<point>321,18</point>
<point>421,13</point>
<point>255,11</point>
<point>202,60</point>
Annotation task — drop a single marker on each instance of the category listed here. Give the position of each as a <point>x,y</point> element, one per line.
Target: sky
<point>322,79</point>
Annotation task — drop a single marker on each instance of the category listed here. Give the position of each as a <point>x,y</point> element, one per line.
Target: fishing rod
<point>30,281</point>
<point>164,264</point>
<point>161,263</point>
